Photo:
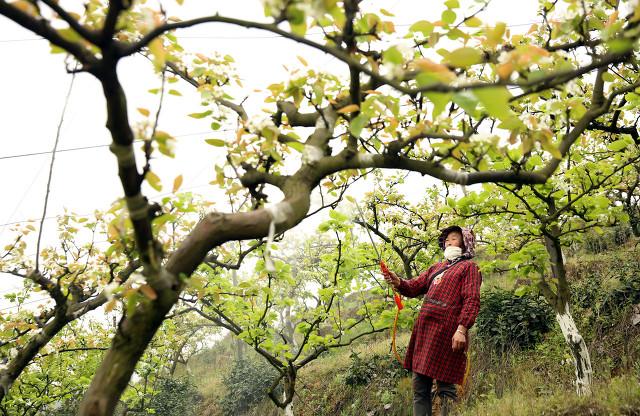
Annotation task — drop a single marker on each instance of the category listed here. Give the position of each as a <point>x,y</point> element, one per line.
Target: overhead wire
<point>73,149</point>
<point>25,303</point>
<point>246,37</point>
<point>53,159</point>
<point>80,148</point>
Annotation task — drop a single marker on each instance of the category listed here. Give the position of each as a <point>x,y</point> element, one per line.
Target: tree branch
<point>87,34</point>
<point>42,27</point>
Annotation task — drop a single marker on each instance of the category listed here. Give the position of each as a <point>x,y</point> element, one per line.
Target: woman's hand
<point>459,339</point>
<point>392,279</point>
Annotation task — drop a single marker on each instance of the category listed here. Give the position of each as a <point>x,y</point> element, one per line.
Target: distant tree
<point>291,311</point>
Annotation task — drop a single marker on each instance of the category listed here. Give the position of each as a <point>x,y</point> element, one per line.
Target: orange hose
<point>393,337</point>
<point>463,386</point>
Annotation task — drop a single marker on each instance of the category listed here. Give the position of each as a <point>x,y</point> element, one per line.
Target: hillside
<point>519,361</point>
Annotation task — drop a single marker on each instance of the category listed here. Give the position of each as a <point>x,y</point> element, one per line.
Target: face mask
<point>452,252</point>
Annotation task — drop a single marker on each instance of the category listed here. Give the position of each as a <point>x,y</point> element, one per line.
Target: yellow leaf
<point>494,35</point>
<point>143,111</point>
<point>349,109</point>
<point>504,70</point>
<point>110,305</point>
<point>612,19</point>
<point>386,13</point>
<point>148,292</point>
<point>473,22</point>
<point>27,7</point>
<point>154,181</point>
<point>441,71</point>
<point>302,60</point>
<point>156,47</point>
<point>465,57</point>
<point>113,232</point>
<point>177,183</point>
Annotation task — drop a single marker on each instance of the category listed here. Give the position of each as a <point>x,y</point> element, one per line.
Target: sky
<point>34,84</point>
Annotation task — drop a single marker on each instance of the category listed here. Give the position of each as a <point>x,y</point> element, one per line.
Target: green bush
<point>361,372</point>
<point>247,384</point>
<point>602,296</point>
<point>606,239</point>
<point>506,320</point>
<point>175,397</point>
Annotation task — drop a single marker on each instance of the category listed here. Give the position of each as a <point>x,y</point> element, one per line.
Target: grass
<point>618,396</point>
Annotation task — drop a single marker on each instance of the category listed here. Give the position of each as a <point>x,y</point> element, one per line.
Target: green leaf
<point>449,16</point>
<point>393,55</point>
<point>620,45</point>
<point>357,124</point>
<point>473,22</point>
<point>338,216</point>
<point>215,142</point>
<point>521,291</point>
<point>426,78</point>
<point>56,49</point>
<point>440,101</point>
<point>495,101</point>
<point>201,115</point>
<point>467,101</point>
<point>296,146</point>
<point>452,4</point>
<point>618,145</point>
<point>464,57</point>
<point>608,77</point>
<point>175,92</point>
<point>512,123</point>
<point>422,26</point>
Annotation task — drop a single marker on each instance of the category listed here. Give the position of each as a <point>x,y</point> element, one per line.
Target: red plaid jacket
<point>453,299</point>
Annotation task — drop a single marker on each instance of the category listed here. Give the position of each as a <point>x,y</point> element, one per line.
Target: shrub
<point>603,296</point>
<point>606,239</point>
<point>506,320</point>
<point>361,371</point>
<point>247,384</point>
<point>175,397</point>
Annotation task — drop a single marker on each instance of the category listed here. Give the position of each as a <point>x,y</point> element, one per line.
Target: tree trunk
<point>579,351</point>
<point>634,220</point>
<point>560,302</point>
<point>288,411</point>
<point>132,337</point>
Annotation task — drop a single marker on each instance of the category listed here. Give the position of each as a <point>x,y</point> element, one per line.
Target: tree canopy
<point>456,99</point>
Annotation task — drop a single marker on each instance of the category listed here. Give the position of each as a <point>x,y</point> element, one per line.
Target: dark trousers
<point>423,397</point>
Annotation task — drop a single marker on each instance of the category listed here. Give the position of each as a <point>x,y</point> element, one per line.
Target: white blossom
<point>392,70</point>
<point>573,88</point>
<point>109,289</point>
<point>563,184</point>
<point>259,123</point>
<point>405,49</point>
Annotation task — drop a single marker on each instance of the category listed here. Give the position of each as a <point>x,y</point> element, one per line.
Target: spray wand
<point>386,272</point>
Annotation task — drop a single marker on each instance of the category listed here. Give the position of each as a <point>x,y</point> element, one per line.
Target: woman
<point>438,344</point>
